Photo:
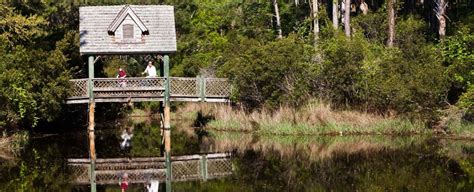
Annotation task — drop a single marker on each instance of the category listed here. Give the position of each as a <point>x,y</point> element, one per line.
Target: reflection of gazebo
<point>136,29</point>
<point>142,170</point>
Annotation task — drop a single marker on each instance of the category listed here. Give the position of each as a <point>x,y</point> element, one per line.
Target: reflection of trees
<point>346,164</point>
<point>144,143</point>
<point>6,157</point>
<point>40,169</point>
<point>316,147</point>
<point>410,168</point>
<point>146,139</point>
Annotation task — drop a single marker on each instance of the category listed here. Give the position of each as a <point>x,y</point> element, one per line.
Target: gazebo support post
<point>166,122</point>
<point>91,126</point>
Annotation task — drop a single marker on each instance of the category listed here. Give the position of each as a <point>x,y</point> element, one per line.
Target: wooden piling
<point>91,131</point>
<point>167,125</point>
<point>204,167</point>
<point>91,126</point>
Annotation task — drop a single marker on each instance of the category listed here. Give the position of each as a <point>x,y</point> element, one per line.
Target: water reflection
<point>261,163</point>
<point>362,163</point>
<point>126,139</point>
<point>317,148</point>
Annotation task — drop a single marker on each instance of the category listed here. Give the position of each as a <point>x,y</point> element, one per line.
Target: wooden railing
<point>142,170</point>
<point>181,88</point>
<point>78,88</point>
<point>128,87</point>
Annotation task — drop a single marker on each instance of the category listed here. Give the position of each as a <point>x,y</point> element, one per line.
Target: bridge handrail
<point>142,169</point>
<point>150,159</point>
<point>127,78</point>
<point>82,79</point>
<point>193,87</point>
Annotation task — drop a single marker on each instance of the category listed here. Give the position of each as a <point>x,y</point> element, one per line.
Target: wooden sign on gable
<point>127,29</point>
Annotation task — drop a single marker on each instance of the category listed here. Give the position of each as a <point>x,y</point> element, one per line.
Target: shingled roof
<point>101,29</point>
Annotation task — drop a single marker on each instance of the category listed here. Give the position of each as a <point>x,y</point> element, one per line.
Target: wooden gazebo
<point>131,30</point>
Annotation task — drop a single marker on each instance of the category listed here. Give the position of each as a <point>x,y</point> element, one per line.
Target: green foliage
<point>33,80</point>
<point>112,66</point>
<point>372,26</point>
<point>18,29</point>
<point>407,86</point>
<point>237,39</point>
<point>459,57</point>
<point>342,73</point>
<point>270,74</point>
<point>466,102</point>
<point>362,73</point>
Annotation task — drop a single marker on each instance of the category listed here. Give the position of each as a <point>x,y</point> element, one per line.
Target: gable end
<point>127,10</point>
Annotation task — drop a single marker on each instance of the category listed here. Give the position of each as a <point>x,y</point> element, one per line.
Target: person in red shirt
<point>122,74</point>
<point>124,182</point>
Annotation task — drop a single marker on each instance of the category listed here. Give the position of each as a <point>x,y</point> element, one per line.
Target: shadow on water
<point>262,163</point>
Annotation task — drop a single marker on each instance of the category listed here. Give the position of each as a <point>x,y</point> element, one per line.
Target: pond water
<point>261,163</point>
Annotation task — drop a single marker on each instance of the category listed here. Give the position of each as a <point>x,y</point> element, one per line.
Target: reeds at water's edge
<point>315,118</point>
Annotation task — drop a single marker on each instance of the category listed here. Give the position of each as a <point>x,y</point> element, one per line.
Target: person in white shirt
<point>150,70</point>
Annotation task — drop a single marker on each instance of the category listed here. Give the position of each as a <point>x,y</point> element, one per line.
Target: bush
<point>466,102</point>
<point>408,80</point>
<point>270,74</point>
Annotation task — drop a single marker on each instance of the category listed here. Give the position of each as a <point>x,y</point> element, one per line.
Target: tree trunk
<point>341,12</point>
<point>315,12</point>
<point>347,17</point>
<point>277,15</point>
<point>440,14</point>
<point>335,21</point>
<point>391,22</point>
<point>364,7</point>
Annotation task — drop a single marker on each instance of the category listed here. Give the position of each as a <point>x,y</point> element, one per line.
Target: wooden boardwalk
<point>150,89</point>
<point>142,170</point>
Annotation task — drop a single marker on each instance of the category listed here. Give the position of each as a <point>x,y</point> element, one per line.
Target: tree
<point>347,17</point>
<point>440,11</point>
<point>277,16</point>
<point>364,7</point>
<point>314,14</point>
<point>33,76</point>
<point>458,55</point>
<point>335,14</point>
<point>391,22</point>
<point>270,74</point>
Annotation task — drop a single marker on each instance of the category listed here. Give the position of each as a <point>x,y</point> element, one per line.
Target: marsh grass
<point>452,122</point>
<point>140,113</point>
<point>315,118</point>
<point>463,129</point>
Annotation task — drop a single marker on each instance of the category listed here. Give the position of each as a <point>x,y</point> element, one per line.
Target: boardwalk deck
<point>150,89</point>
<point>142,170</point>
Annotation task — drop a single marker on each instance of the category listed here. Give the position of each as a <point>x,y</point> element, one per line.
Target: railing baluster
<point>186,89</point>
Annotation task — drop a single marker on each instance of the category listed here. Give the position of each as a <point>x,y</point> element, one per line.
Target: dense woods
<point>411,58</point>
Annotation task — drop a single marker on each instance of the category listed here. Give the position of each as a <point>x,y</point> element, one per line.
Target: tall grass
<point>451,121</point>
<point>315,118</point>
<point>463,129</point>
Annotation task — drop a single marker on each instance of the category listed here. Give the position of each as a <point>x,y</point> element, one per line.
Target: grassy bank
<point>465,130</point>
<point>315,118</point>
